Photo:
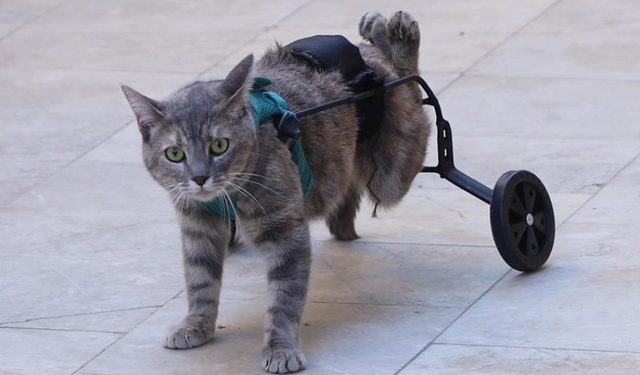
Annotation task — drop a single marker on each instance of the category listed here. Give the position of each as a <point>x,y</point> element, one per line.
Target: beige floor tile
<point>481,360</point>
<point>584,300</point>
<point>41,352</point>
<point>337,339</point>
<point>118,186</point>
<point>579,39</point>
<point>87,94</point>
<point>542,108</point>
<point>35,145</point>
<point>125,146</point>
<point>123,35</point>
<point>581,166</point>
<point>374,273</point>
<point>618,202</point>
<point>11,20</point>
<point>66,262</point>
<point>443,276</point>
<point>33,6</point>
<point>121,321</point>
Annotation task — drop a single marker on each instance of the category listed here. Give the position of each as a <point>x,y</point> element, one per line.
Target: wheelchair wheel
<point>522,220</point>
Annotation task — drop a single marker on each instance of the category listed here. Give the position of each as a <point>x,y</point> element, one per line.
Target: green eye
<point>219,146</point>
<point>174,154</point>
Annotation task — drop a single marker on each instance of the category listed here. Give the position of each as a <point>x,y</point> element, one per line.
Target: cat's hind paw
<point>343,232</point>
<point>403,27</point>
<point>282,361</point>
<point>182,337</point>
<point>371,24</point>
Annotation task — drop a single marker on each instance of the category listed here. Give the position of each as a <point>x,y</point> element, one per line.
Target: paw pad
<point>402,26</point>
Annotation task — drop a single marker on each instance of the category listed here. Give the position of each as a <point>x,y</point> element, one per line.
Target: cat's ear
<point>145,109</point>
<point>238,80</point>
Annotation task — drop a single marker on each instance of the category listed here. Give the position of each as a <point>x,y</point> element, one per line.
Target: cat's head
<point>198,142</point>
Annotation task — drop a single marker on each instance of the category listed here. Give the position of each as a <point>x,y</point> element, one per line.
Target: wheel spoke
<point>539,222</point>
<point>530,195</point>
<point>518,230</point>
<point>515,205</point>
<point>532,243</point>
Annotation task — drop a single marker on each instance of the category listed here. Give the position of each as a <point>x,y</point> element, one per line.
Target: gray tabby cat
<point>202,143</point>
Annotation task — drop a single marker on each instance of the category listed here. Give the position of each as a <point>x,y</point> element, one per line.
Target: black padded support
<point>335,52</point>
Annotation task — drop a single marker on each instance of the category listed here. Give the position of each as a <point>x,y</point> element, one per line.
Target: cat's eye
<point>174,154</point>
<point>219,146</point>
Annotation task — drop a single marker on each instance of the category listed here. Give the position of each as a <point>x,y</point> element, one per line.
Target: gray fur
<point>272,214</point>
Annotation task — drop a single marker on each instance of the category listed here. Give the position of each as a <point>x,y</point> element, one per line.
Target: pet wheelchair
<point>521,212</point>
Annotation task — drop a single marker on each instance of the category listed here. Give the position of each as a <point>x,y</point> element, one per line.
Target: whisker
<point>226,195</point>
<point>245,174</point>
<point>259,184</point>
<point>245,193</point>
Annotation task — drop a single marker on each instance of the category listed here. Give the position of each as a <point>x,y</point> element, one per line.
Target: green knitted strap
<point>266,104</point>
<point>306,174</point>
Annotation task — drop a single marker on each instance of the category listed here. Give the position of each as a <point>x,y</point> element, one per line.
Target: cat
<point>201,143</point>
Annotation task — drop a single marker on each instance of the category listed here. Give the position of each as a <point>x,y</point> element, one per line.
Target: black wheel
<point>522,220</point>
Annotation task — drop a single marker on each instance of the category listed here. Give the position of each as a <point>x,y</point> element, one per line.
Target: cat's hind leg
<point>341,222</point>
<point>389,162</point>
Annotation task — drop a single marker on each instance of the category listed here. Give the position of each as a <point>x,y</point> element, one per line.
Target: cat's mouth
<point>206,193</point>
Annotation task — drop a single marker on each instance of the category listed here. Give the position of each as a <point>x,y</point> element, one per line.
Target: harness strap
<point>267,104</point>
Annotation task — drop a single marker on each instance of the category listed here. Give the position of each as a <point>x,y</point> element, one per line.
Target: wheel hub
<point>529,219</point>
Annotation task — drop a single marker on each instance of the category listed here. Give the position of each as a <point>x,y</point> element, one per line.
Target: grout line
<point>637,157</point>
<point>503,42</point>
<point>80,314</point>
<point>296,10</point>
<point>254,38</point>
<point>61,330</point>
<point>540,348</point>
<point>451,324</point>
<point>47,178</point>
<point>121,337</point>
<point>34,19</point>
<point>103,350</point>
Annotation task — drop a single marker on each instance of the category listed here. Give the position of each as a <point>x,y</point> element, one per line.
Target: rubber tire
<point>523,247</point>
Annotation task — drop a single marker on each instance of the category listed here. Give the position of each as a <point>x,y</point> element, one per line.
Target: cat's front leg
<point>288,254</point>
<point>204,243</point>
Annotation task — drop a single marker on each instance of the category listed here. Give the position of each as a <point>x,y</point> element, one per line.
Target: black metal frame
<point>446,167</point>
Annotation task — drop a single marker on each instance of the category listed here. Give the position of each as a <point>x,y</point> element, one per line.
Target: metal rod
<point>431,97</point>
<point>469,185</point>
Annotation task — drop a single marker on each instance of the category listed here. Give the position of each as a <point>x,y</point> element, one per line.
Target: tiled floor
<point>90,274</point>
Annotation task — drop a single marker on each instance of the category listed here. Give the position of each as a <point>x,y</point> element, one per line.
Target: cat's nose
<point>200,180</point>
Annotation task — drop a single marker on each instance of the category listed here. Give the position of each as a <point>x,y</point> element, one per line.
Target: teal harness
<point>266,104</point>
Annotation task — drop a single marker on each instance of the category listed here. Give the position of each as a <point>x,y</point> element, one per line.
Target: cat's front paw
<point>403,27</point>
<point>182,337</point>
<point>282,361</point>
